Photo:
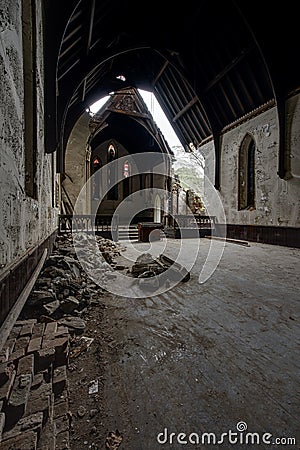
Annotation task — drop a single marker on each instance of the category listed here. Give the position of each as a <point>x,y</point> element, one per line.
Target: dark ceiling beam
<point>164,66</point>
<point>228,68</point>
<point>67,49</point>
<point>278,51</point>
<point>68,69</point>
<point>88,32</point>
<point>52,38</point>
<point>185,109</point>
<point>187,72</point>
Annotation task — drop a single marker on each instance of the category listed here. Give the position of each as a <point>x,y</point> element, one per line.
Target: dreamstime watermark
<point>85,243</point>
<point>239,436</point>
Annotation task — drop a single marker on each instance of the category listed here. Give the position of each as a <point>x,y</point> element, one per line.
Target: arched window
<point>127,188</point>
<point>111,153</point>
<point>126,169</point>
<point>247,174</point>
<point>112,171</point>
<point>96,182</point>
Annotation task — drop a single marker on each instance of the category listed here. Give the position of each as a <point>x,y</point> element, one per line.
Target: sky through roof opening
<point>156,111</point>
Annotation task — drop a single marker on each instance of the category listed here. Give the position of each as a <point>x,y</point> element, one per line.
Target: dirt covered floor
<point>218,357</point>
<point>197,365</point>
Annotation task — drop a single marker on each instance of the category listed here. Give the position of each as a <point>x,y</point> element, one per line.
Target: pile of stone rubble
<point>34,410</point>
<point>64,289</point>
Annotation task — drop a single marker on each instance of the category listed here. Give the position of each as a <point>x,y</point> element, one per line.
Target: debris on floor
<point>34,387</point>
<point>63,289</point>
<point>47,351</point>
<point>93,387</point>
<point>146,266</point>
<point>79,345</point>
<point>113,440</point>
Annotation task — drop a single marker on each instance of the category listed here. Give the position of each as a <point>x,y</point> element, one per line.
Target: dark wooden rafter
<point>88,38</point>
<point>164,66</point>
<point>209,112</point>
<point>182,99</point>
<point>185,109</point>
<point>202,85</point>
<point>228,68</point>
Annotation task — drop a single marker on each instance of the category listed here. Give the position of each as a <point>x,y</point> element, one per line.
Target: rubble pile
<point>33,387</point>
<point>147,266</point>
<point>48,335</point>
<point>63,288</point>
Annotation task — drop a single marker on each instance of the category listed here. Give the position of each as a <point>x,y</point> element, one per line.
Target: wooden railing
<point>86,222</point>
<point>190,221</point>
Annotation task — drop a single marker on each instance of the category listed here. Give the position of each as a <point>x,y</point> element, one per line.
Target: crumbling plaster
<point>24,221</point>
<point>75,160</point>
<point>277,200</point>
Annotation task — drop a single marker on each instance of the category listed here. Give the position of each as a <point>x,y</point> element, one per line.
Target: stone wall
<point>277,200</point>
<point>25,220</point>
<point>75,161</point>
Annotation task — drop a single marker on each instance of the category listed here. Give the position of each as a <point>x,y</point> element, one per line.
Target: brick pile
<point>34,410</point>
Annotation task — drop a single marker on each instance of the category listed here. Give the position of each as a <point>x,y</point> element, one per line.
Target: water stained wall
<point>25,220</point>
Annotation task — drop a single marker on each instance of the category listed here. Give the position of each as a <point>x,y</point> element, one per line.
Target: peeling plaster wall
<point>277,200</point>
<point>75,160</point>
<point>24,221</point>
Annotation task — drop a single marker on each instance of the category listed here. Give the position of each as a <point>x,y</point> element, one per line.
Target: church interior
<point>135,314</point>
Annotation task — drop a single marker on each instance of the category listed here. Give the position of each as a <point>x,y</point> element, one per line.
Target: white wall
<point>24,221</point>
<point>277,200</point>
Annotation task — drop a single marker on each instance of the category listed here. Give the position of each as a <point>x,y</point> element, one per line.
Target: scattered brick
<point>2,423</point>
<point>34,407</point>
<point>47,439</point>
<point>38,330</point>
<point>50,329</point>
<point>14,333</point>
<point>5,372</point>
<point>44,358</point>
<point>40,401</point>
<point>22,343</point>
<point>25,322</point>
<point>62,331</point>
<point>24,441</point>
<point>4,355</point>
<point>26,365</point>
<point>62,441</point>
<point>62,424</point>
<point>10,343</point>
<point>6,388</point>
<point>61,407</point>
<point>38,379</point>
<point>61,346</point>
<point>26,329</point>
<point>34,344</point>
<point>16,355</point>
<point>31,423</point>
<point>59,379</point>
<point>18,398</point>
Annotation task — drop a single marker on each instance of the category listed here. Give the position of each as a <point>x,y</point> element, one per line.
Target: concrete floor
<point>204,357</point>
